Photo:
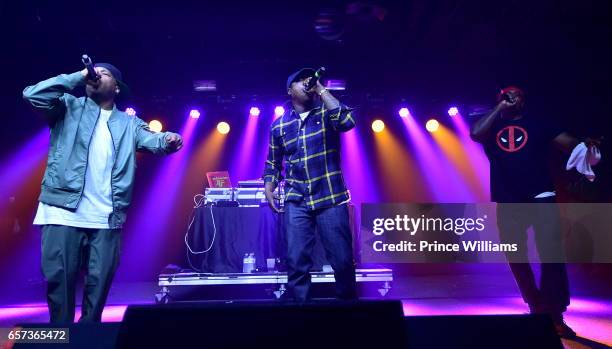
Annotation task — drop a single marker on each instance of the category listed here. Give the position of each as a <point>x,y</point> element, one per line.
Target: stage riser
<point>326,325</point>
<point>206,286</point>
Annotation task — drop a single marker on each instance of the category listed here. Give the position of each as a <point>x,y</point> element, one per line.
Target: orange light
<point>223,127</point>
<point>432,125</point>
<point>378,126</point>
<point>155,126</point>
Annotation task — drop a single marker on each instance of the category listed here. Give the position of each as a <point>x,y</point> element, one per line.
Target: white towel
<point>582,159</point>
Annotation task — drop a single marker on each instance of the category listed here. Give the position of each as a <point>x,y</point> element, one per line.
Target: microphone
<point>315,78</point>
<point>479,111</point>
<point>91,72</point>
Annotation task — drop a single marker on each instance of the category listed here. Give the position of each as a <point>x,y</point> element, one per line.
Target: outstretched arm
<point>156,142</point>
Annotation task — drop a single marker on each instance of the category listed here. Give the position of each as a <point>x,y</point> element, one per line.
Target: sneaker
<point>564,331</point>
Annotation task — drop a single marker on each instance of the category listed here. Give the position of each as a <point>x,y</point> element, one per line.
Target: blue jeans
<point>332,224</point>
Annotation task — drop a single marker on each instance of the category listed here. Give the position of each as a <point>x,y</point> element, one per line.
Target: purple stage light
<point>254,111</point>
<point>404,112</point>
<point>279,111</point>
<point>453,111</point>
<point>194,114</point>
<point>153,218</point>
<point>130,111</point>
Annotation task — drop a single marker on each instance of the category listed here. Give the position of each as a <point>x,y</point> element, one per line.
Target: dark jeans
<point>333,226</point>
<point>65,250</point>
<point>513,220</point>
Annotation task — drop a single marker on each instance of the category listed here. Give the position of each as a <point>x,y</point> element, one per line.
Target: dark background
<point>430,53</point>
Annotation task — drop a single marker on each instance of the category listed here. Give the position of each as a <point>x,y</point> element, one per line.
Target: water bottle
<point>252,264</point>
<point>248,263</point>
<point>245,263</point>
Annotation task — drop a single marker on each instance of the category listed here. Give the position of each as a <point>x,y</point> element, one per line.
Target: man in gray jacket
<point>87,185</point>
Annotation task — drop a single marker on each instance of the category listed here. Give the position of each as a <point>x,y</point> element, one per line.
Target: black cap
<point>299,75</point>
<point>116,73</point>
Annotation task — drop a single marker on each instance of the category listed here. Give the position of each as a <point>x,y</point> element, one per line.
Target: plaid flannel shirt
<point>311,150</point>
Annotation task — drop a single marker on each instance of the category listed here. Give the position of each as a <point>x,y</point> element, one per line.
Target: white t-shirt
<point>96,204</point>
<point>304,115</point>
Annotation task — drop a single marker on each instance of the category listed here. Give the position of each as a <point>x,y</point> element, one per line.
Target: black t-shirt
<point>518,153</point>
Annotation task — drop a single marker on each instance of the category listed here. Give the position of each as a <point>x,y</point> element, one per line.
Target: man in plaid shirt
<point>307,137</point>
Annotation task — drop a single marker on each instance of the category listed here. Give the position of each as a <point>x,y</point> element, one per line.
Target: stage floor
<point>591,317</point>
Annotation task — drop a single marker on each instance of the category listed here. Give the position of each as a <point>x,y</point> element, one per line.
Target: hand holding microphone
<point>90,73</point>
<point>89,67</point>
<point>314,81</point>
<point>505,104</point>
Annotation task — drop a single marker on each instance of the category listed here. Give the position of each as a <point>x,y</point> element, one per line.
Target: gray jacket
<point>72,121</point>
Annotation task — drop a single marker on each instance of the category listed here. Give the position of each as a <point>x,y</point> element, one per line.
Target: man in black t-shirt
<point>517,147</point>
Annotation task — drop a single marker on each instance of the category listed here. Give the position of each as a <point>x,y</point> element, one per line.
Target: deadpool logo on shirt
<point>511,138</point>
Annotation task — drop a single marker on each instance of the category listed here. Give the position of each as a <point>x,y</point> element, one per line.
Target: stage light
<point>155,126</point>
<point>378,126</point>
<point>254,111</point>
<point>130,111</point>
<point>194,114</point>
<point>453,111</point>
<point>223,127</point>
<point>404,112</point>
<point>205,85</point>
<point>335,85</point>
<point>432,125</point>
<point>279,111</point>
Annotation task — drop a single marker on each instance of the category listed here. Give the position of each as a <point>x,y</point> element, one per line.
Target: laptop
<point>218,179</point>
